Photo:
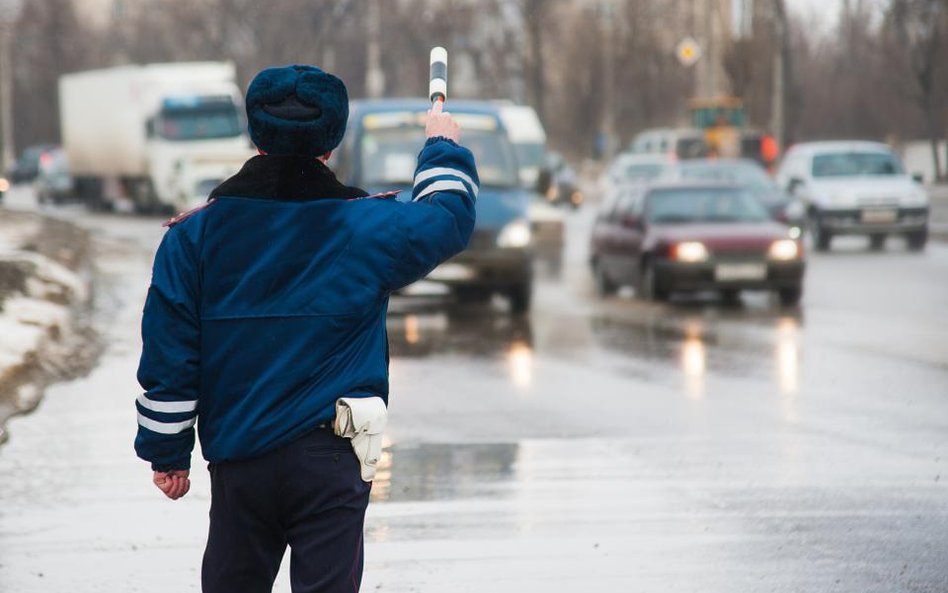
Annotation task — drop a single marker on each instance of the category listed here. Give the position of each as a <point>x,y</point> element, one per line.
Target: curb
<point>46,282</point>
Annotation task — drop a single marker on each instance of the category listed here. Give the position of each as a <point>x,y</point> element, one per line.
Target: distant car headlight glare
<point>515,234</point>
<point>784,250</point>
<point>4,185</point>
<point>691,251</point>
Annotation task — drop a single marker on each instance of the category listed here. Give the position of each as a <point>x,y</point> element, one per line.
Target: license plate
<point>447,272</point>
<point>879,216</point>
<point>730,272</point>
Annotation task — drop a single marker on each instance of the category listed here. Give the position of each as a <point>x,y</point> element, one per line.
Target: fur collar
<point>286,178</point>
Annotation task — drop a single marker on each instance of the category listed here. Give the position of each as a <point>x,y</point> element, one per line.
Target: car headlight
<point>690,251</point>
<point>784,250</point>
<point>515,234</point>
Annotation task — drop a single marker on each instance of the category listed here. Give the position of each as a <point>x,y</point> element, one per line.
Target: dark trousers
<point>308,495</point>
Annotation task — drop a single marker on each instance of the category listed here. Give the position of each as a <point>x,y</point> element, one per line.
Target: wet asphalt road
<point>594,445</point>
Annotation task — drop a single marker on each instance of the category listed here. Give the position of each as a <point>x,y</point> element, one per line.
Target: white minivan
<point>855,188</point>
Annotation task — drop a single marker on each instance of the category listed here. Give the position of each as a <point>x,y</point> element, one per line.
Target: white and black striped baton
<point>438,83</point>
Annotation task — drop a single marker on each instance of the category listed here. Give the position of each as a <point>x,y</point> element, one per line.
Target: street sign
<point>688,51</point>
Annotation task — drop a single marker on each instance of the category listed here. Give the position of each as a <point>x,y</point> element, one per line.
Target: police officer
<point>266,306</point>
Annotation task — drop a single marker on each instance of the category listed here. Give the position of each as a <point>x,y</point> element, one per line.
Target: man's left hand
<point>174,484</point>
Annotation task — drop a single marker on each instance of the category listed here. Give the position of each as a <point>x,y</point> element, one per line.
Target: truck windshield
<point>850,164</point>
<point>389,156</point>
<point>199,123</point>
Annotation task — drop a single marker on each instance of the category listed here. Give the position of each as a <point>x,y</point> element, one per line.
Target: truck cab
<point>379,154</point>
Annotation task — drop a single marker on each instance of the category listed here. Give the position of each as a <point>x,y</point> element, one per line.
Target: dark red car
<point>672,237</point>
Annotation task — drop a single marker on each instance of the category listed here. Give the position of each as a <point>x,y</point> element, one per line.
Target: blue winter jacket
<point>269,303</point>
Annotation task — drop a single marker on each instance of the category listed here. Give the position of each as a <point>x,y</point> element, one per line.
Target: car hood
<point>496,207</point>
<point>868,190</point>
<point>722,237</point>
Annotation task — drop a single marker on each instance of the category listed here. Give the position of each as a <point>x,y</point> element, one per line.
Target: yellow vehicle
<point>724,122</point>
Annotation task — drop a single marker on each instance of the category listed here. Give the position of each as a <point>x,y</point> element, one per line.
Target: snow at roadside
<point>39,299</point>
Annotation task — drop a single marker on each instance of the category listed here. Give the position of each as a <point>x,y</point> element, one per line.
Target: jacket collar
<point>287,178</point>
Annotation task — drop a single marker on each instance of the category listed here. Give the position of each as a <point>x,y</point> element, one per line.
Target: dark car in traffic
<point>750,174</point>
<point>379,155</point>
<point>681,236</point>
<point>26,167</point>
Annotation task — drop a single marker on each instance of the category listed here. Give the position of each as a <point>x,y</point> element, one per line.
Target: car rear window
<point>751,176</point>
<point>389,155</point>
<point>703,205</point>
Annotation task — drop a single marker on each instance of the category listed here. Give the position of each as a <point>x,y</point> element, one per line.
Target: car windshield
<point>200,123</point>
<point>623,172</point>
<point>752,177</point>
<point>851,164</point>
<point>703,205</point>
<point>389,156</point>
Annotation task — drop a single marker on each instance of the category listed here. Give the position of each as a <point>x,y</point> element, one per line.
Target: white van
<point>528,138</point>
<point>855,188</point>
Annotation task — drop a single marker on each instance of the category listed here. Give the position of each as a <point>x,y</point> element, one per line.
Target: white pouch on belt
<point>362,419</point>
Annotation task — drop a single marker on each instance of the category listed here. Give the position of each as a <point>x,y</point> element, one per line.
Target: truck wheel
<point>604,286</point>
<point>821,235</point>
<point>876,242</point>
<point>790,297</point>
<point>917,240</point>
<point>520,297</point>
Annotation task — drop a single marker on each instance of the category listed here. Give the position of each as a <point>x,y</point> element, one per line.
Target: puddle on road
<point>471,332</point>
<point>758,344</point>
<point>439,471</point>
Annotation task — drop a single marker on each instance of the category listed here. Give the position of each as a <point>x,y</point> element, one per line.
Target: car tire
<point>647,288</point>
<point>917,240</point>
<point>790,297</point>
<point>731,297</point>
<point>822,237</point>
<point>604,285</point>
<point>469,295</point>
<point>520,298</point>
<point>877,242</point>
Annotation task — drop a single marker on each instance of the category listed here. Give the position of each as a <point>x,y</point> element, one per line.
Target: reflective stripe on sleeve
<point>164,427</point>
<point>442,185</point>
<point>436,171</point>
<point>175,407</point>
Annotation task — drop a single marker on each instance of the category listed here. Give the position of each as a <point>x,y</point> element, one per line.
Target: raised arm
<point>438,222</point>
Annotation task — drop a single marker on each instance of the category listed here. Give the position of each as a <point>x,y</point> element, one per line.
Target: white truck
<point>152,137</point>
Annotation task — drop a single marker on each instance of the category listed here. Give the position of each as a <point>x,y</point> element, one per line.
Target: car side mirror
<point>544,181</point>
<point>795,184</point>
<point>631,221</point>
<point>918,178</point>
<point>150,128</point>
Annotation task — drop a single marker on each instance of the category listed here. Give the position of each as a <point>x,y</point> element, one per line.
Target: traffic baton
<point>438,82</point>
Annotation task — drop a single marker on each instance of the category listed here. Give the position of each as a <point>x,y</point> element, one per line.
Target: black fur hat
<point>297,110</point>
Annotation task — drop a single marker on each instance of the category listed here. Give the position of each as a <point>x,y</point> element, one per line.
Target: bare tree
<point>919,27</point>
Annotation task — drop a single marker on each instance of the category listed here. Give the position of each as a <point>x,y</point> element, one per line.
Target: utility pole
<point>9,14</point>
<point>607,13</point>
<point>374,76</point>
<point>778,88</point>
